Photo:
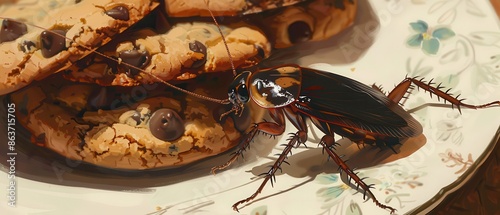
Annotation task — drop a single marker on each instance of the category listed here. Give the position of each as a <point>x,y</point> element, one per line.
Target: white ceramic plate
<point>382,48</point>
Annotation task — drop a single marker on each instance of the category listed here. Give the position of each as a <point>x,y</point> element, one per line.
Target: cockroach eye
<point>165,124</point>
<point>243,93</point>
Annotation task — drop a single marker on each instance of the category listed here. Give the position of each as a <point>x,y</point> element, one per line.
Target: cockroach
<point>333,103</point>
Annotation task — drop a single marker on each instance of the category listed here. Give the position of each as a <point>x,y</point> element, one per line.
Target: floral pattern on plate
<point>428,39</point>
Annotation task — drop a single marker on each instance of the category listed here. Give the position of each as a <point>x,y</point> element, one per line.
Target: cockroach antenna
<point>223,38</point>
<point>225,101</point>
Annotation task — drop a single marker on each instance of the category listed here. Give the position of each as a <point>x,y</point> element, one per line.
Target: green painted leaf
<point>485,38</point>
<point>353,209</point>
<point>327,178</point>
<point>335,191</point>
<point>330,192</point>
<point>415,40</point>
<point>419,26</point>
<point>473,9</point>
<point>443,33</point>
<point>448,16</point>
<point>430,46</point>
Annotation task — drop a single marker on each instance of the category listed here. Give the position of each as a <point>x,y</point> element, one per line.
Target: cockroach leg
<point>297,121</point>
<point>272,128</point>
<point>244,144</point>
<point>401,89</point>
<point>293,142</point>
<point>328,142</point>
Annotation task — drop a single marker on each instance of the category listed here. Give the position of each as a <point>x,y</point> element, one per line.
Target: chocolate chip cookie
<point>312,21</point>
<point>40,38</point>
<point>285,22</point>
<point>192,48</point>
<point>179,8</point>
<point>185,51</point>
<point>188,49</point>
<point>143,127</point>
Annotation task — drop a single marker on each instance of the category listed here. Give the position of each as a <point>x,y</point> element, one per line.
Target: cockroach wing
<point>348,103</point>
<point>276,87</point>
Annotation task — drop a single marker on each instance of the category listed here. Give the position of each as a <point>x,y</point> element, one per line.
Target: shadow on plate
<point>312,162</point>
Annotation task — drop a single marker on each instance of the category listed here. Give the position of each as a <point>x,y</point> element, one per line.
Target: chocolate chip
<point>137,117</point>
<point>299,31</point>
<point>165,124</point>
<point>198,47</point>
<point>52,42</point>
<point>27,45</point>
<point>135,58</point>
<point>11,30</point>
<point>118,12</point>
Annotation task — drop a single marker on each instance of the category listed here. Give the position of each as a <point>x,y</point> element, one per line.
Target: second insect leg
<point>400,91</point>
<point>294,141</point>
<point>328,143</point>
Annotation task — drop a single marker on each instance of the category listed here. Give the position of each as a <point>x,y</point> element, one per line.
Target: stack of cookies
<point>87,76</point>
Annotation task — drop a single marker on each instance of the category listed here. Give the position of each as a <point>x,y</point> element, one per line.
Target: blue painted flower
<point>428,39</point>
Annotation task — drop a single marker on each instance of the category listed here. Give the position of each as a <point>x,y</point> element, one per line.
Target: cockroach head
<point>238,92</point>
